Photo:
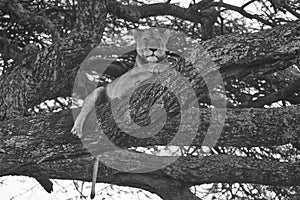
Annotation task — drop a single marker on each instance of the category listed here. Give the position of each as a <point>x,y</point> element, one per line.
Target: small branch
<point>242,12</point>
<point>276,96</point>
<point>247,4</point>
<point>291,10</point>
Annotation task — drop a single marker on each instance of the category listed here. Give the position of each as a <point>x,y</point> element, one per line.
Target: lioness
<point>151,59</point>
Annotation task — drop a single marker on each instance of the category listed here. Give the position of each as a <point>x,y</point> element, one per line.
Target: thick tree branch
<point>135,13</point>
<point>189,171</point>
<point>45,143</point>
<point>227,169</point>
<point>242,128</point>
<point>267,51</point>
<point>56,67</point>
<point>234,169</point>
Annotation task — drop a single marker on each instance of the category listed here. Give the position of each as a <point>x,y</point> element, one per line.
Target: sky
<point>20,188</point>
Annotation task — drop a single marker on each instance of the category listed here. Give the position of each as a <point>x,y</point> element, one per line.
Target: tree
<point>43,44</point>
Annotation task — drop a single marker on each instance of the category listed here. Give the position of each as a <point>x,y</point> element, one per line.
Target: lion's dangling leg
<point>88,104</point>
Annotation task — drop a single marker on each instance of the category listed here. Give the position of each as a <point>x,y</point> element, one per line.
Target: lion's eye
<point>145,39</point>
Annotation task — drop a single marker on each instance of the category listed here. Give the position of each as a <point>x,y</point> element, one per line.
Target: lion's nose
<point>152,49</point>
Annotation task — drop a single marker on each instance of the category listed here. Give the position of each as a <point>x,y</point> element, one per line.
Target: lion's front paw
<point>77,128</point>
<point>158,68</point>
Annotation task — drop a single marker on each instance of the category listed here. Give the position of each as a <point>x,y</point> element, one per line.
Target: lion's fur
<point>151,59</point>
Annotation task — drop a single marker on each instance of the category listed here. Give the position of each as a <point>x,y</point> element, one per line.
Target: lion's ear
<point>167,34</point>
<point>136,33</point>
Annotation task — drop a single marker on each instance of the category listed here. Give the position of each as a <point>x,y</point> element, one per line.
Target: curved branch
<point>135,13</point>
<point>242,12</point>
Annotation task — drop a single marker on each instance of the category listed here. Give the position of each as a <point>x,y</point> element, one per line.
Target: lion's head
<point>151,44</point>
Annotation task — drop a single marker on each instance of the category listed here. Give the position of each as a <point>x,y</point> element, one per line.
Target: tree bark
<point>188,171</point>
<point>42,145</point>
<point>242,128</point>
<point>51,73</point>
